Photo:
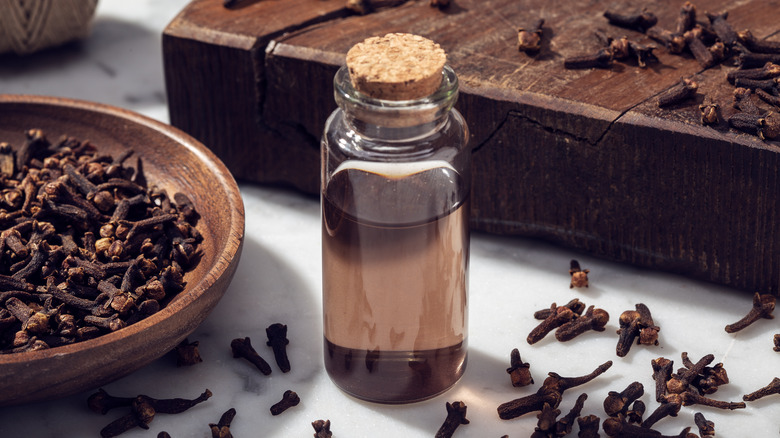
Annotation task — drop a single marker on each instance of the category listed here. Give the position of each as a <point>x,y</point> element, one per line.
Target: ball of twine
<point>27,26</point>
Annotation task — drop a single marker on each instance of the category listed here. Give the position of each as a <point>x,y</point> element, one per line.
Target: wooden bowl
<point>172,160</point>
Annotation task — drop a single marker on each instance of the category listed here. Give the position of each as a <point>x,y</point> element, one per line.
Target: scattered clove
<point>589,426</point>
<point>579,276</point>
<point>277,340</point>
<point>529,40</point>
<point>550,392</point>
<point>456,415</point>
<point>693,39</point>
<point>722,28</point>
<point>709,112</point>
<point>766,127</point>
<point>682,380</point>
<point>666,409</point>
<point>187,353</point>
<point>600,59</point>
<point>519,371</point>
<point>617,403</point>
<point>242,348</point>
<point>564,425</point>
<point>321,429</point>
<point>143,410</point>
<point>757,45</point>
<point>772,388</point>
<point>636,324</point>
<point>594,319</point>
<point>575,305</point>
<point>222,428</point>
<point>618,427</point>
<point>777,343</point>
<point>691,397</point>
<point>767,71</point>
<point>685,89</point>
<point>768,98</point>
<point>557,317</point>
<point>546,421</point>
<point>640,21</point>
<point>706,427</point>
<point>744,102</point>
<point>635,413</point>
<point>674,42</point>
<point>289,399</point>
<point>763,306</point>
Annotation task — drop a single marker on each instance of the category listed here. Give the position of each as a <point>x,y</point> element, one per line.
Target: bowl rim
<point>233,242</point>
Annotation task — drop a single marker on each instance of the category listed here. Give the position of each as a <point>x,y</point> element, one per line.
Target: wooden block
<point>584,158</point>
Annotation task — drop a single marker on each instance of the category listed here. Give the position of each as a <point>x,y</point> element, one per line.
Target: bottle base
<point>395,377</point>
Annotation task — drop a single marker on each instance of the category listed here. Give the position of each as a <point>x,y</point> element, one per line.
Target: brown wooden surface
<point>174,162</point>
<point>584,158</point>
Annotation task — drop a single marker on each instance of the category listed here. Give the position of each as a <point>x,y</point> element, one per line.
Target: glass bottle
<point>395,242</point>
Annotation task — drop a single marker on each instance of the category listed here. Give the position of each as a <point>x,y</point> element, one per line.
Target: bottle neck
<point>401,121</point>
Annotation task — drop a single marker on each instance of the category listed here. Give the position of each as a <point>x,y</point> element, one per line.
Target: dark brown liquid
<point>395,265</point>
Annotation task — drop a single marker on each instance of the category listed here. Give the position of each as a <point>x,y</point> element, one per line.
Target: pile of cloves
<point>86,248</point>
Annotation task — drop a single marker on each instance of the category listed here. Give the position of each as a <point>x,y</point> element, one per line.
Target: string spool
<point>27,26</point>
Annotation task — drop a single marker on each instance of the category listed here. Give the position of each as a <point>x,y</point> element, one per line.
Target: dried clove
<point>768,85</point>
<point>709,112</point>
<point>564,425</point>
<point>686,19</point>
<point>640,21</point>
<point>164,434</point>
<point>777,343</point>
<point>456,415</point>
<point>674,42</point>
<point>546,421</point>
<point>289,399</point>
<point>222,428</point>
<point>575,305</point>
<point>772,388</point>
<point>722,28</point>
<point>519,371</point>
<point>757,45</point>
<point>706,427</point>
<point>636,324</point>
<point>665,409</point>
<point>744,102</point>
<point>768,98</point>
<point>747,60</point>
<point>589,426</point>
<point>681,381</point>
<point>242,348</point>
<point>187,353</point>
<point>693,39</point>
<point>277,340</point>
<point>143,410</point>
<point>600,59</point>
<point>579,276</point>
<point>321,429</point>
<point>594,319</point>
<point>617,403</point>
<point>692,397</point>
<point>635,413</point>
<point>763,306</point>
<point>685,89</point>
<point>767,71</point>
<point>618,427</point>
<point>550,392</point>
<point>557,317</point>
<point>766,127</point>
<point>529,40</point>
<point>101,402</point>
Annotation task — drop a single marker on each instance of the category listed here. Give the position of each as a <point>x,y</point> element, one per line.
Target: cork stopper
<point>397,66</point>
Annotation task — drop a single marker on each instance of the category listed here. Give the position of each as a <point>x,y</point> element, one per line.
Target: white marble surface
<point>278,280</point>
